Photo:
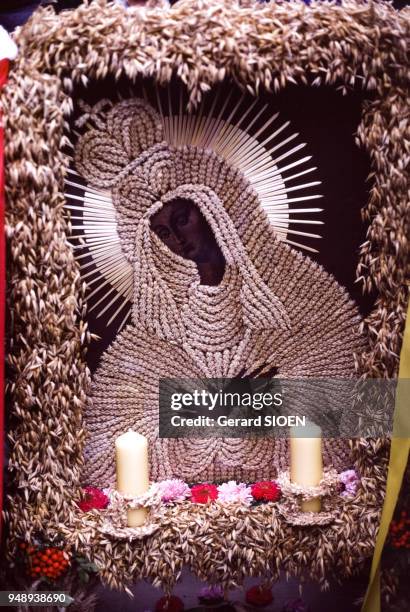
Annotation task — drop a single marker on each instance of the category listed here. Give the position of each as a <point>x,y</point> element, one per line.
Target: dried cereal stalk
<point>204,42</point>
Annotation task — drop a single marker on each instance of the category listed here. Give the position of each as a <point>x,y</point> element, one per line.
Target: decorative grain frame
<point>203,42</point>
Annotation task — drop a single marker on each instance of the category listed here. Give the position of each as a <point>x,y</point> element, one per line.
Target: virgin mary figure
<point>215,294</point>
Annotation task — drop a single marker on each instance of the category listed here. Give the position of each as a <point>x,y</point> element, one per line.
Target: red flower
<point>169,604</point>
<point>266,491</point>
<point>204,493</point>
<point>94,498</point>
<point>259,596</point>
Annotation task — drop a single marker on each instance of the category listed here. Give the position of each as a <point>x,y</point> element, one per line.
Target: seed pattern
<point>204,41</point>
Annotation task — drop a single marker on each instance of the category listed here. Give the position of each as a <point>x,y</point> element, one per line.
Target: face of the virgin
<point>182,227</point>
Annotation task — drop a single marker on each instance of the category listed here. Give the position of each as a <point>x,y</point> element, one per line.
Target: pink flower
<point>232,491</point>
<point>173,490</point>
<point>350,479</point>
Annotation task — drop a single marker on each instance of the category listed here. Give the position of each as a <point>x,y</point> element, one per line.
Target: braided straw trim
<point>292,493</point>
<point>149,499</point>
<point>292,515</point>
<point>115,523</point>
<point>325,487</point>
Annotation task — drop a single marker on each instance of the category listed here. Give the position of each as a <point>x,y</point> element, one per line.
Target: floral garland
<point>173,491</point>
<point>176,490</point>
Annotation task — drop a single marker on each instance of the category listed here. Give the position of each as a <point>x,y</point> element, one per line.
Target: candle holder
<point>115,523</point>
<point>293,494</point>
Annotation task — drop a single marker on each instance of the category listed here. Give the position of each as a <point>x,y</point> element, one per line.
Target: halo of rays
<point>247,135</point>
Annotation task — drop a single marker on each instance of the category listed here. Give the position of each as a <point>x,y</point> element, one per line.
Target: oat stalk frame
<point>202,42</point>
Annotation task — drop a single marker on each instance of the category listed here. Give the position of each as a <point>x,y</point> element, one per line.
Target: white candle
<point>131,451</point>
<point>306,465</point>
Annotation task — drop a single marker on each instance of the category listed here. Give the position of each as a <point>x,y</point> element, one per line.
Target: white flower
<point>231,491</point>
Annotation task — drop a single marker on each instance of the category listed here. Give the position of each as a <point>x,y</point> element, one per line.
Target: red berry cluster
<point>400,532</point>
<point>45,562</point>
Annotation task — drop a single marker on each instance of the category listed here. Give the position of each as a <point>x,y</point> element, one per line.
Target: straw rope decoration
<point>261,153</point>
<point>202,41</point>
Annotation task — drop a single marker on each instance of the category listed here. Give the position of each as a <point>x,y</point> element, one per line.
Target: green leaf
<point>86,565</point>
<point>83,576</point>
